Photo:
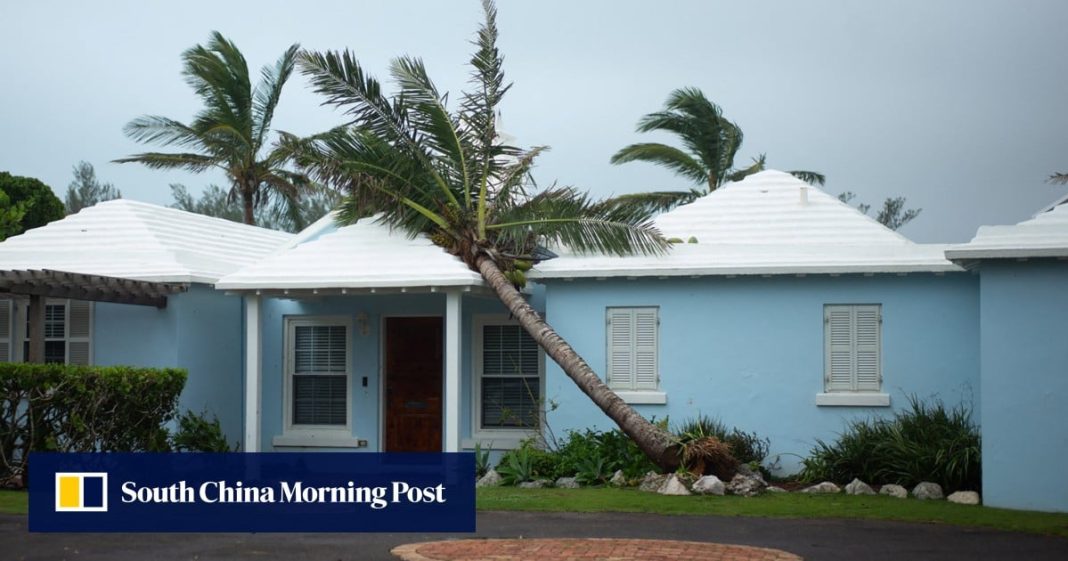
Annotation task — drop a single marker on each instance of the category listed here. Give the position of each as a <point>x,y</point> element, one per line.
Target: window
<point>633,341</point>
<point>852,361</point>
<point>6,311</point>
<point>67,331</point>
<point>318,372</point>
<point>508,366</point>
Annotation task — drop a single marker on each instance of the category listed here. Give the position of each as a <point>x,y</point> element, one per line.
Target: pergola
<point>41,284</point>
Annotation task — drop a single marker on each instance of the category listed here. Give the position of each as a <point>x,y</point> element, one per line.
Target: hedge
<point>67,408</point>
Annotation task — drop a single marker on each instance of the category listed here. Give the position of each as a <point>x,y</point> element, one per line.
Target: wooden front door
<point>413,384</point>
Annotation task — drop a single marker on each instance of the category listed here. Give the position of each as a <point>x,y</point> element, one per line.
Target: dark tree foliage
<point>40,203</point>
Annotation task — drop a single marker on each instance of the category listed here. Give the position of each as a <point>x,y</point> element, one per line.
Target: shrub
<point>613,449</point>
<point>66,408</point>
<point>482,458</point>
<point>516,466</point>
<point>926,442</point>
<point>746,447</point>
<point>197,434</point>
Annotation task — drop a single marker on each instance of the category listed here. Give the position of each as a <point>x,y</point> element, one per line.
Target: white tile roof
<point>1045,235</point>
<point>140,241</point>
<point>769,223</point>
<point>366,254</point>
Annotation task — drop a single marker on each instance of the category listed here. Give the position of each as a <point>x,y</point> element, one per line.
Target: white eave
<point>140,241</point>
<point>364,255</point>
<point>771,223</point>
<point>1045,235</point>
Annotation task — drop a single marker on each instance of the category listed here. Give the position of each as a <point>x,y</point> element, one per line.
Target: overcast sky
<point>961,106</point>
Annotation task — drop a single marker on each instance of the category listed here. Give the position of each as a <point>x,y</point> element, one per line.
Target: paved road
<point>812,539</point>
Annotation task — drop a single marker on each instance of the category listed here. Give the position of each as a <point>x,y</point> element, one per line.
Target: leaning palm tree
<point>710,142</point>
<point>232,129</point>
<point>426,169</point>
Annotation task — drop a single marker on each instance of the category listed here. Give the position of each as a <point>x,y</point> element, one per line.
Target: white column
<point>453,342</point>
<point>253,373</point>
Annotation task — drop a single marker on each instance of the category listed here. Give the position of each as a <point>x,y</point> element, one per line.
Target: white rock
<point>567,483</point>
<point>825,488</point>
<point>964,498</point>
<point>672,486</point>
<point>858,487</point>
<point>927,491</point>
<point>896,491</point>
<point>618,479</point>
<point>776,489</point>
<point>652,482</point>
<point>491,479</point>
<point>746,486</point>
<point>709,485</point>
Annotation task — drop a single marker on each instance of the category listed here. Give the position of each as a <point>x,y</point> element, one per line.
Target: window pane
<point>54,321</point>
<point>319,348</point>
<point>507,350</point>
<point>55,352</point>
<point>510,402</point>
<point>319,400</point>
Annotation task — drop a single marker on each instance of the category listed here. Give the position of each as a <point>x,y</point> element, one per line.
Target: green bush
<point>197,434</point>
<point>926,442</point>
<point>746,447</point>
<point>66,408</point>
<point>528,462</point>
<point>580,451</point>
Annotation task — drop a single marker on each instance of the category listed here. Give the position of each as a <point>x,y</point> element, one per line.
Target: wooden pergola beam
<point>78,286</point>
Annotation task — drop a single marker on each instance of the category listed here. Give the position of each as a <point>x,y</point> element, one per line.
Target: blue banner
<point>245,492</point>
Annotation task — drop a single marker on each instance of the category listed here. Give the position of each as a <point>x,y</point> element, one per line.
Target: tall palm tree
<point>709,139</point>
<point>232,129</point>
<point>430,170</point>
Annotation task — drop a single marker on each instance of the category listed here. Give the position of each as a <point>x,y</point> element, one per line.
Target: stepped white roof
<point>364,255</point>
<point>769,223</point>
<point>1045,235</point>
<point>140,241</point>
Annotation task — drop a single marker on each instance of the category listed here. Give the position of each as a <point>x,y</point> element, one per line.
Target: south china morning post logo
<point>81,492</point>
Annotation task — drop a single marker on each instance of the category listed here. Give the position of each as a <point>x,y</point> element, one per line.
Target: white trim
<point>853,399</point>
<point>500,439</point>
<point>452,357</point>
<point>253,374</point>
<point>309,439</point>
<point>643,397</point>
<point>317,432</point>
<point>506,442</point>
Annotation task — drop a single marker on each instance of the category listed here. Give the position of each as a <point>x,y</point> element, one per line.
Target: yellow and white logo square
<point>82,492</point>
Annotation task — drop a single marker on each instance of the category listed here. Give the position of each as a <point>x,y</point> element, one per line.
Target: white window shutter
<point>79,331</point>
<point>6,311</point>
<point>838,334</point>
<point>867,324</point>
<point>620,374</point>
<point>645,349</point>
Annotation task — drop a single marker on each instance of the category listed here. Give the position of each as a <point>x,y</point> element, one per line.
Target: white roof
<point>1045,235</point>
<point>140,241</point>
<point>366,254</point>
<point>769,223</point>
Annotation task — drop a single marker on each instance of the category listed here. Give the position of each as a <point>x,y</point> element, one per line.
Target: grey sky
<point>958,105</point>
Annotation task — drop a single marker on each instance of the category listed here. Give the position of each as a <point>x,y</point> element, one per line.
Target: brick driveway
<point>585,549</point>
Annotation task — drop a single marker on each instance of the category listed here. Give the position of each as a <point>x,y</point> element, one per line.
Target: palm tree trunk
<point>250,216</point>
<point>653,441</point>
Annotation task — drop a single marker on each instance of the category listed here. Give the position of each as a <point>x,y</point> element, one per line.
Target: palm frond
<point>811,177</point>
<point>269,91</point>
<point>759,164</point>
<point>161,130</point>
<point>1059,178</point>
<point>663,155</point>
<point>219,74</point>
<point>191,162</point>
<point>651,203</point>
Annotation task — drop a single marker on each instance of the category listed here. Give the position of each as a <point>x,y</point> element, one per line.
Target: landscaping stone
<point>651,482</point>
<point>673,486</point>
<point>776,489</point>
<point>491,479</point>
<point>709,485</point>
<point>618,479</point>
<point>896,491</point>
<point>536,484</point>
<point>964,498</point>
<point>927,491</point>
<point>825,488</point>
<point>746,485</point>
<point>567,483</point>
<point>858,487</point>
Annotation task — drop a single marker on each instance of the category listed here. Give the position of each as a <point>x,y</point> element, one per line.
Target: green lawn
<point>13,502</point>
<point>792,505</point>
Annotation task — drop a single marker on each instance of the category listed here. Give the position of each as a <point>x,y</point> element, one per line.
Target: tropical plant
<point>746,447</point>
<point>710,142</point>
<point>314,203</point>
<point>893,215</point>
<point>446,174</point>
<point>516,466</point>
<point>482,460</point>
<point>10,216</point>
<point>38,203</point>
<point>231,132</point>
<point>613,448</point>
<point>86,190</point>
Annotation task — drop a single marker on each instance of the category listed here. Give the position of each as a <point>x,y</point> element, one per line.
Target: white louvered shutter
<point>79,331</point>
<point>838,334</point>
<point>867,323</point>
<point>620,350</point>
<point>6,311</point>
<point>645,349</point>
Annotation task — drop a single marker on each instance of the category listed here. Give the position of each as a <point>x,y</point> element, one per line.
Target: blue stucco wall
<point>199,330</point>
<point>750,350</point>
<point>366,349</point>
<point>1024,318</point>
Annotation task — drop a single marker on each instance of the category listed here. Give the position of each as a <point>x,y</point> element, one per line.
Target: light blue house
<point>1023,331</point>
<point>126,282</point>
